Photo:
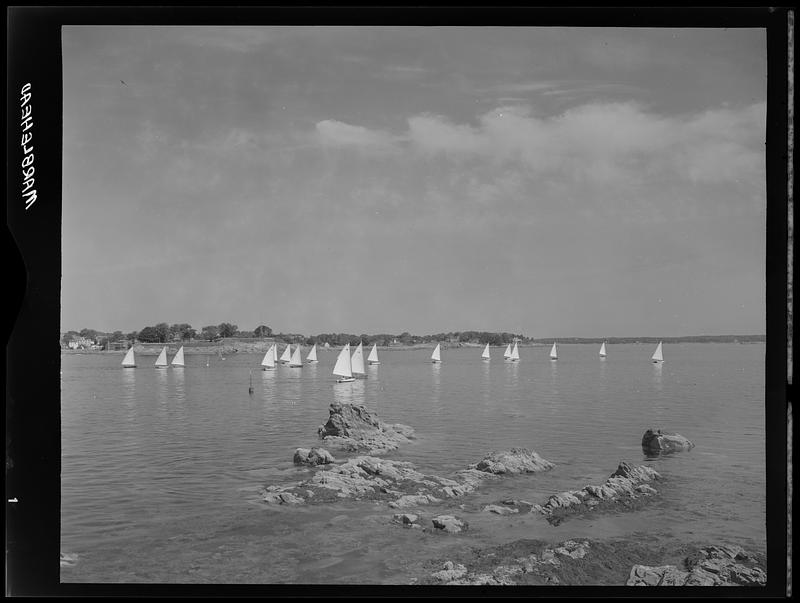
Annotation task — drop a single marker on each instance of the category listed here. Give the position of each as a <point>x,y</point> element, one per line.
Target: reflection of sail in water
<point>436,380</point>
<point>128,389</point>
<point>343,392</point>
<point>180,385</point>
<point>161,385</point>
<point>512,368</point>
<point>487,382</point>
<point>657,374</point>
<point>554,377</point>
<point>358,392</point>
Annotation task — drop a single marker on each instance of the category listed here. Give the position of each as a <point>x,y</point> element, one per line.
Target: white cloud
<point>603,143</point>
<point>339,134</point>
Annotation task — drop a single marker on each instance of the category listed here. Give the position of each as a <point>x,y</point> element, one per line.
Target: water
<point>161,468</point>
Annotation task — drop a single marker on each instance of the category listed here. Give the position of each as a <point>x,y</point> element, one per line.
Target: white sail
<point>342,367</point>
<point>507,353</point>
<point>275,353</point>
<point>437,354</point>
<point>269,358</point>
<point>373,355</point>
<point>554,352</point>
<point>312,355</point>
<point>178,359</point>
<point>296,359</point>
<point>129,361</point>
<point>357,361</point>
<point>515,353</point>
<point>162,357</point>
<point>603,350</point>
<point>287,354</point>
<point>658,355</point>
<point>486,355</point>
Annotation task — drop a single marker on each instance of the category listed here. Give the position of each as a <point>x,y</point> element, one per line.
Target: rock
<point>451,571</point>
<point>397,482</point>
<point>658,442</point>
<point>313,456</point>
<point>282,498</point>
<point>449,523</point>
<point>353,428</point>
<point>500,510</point>
<point>413,500</point>
<point>516,460</point>
<point>627,483</point>
<point>711,566</point>
<point>406,519</point>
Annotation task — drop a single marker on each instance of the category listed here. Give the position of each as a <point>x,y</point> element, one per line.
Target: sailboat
<point>486,355</point>
<point>178,359</point>
<point>269,358</point>
<point>507,353</point>
<point>161,361</point>
<point>436,357</point>
<point>343,369</point>
<point>207,362</point>
<point>554,352</point>
<point>357,361</point>
<point>129,361</point>
<point>373,355</point>
<point>514,354</point>
<point>658,355</point>
<point>287,354</point>
<point>603,350</point>
<point>312,355</point>
<point>296,361</point>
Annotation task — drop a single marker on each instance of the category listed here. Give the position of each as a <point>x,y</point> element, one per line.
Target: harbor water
<point>162,468</point>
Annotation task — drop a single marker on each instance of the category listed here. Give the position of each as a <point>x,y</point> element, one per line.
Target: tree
<point>226,329</point>
<point>162,329</point>
<point>182,331</point>
<point>69,336</point>
<point>149,335</point>
<point>211,332</point>
<point>263,331</point>
<point>88,333</point>
<point>132,336</point>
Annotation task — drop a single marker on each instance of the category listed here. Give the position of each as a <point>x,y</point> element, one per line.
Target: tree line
<point>164,333</point>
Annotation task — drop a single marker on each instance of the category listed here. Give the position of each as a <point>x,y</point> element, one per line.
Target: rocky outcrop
<point>449,523</point>
<point>313,456</point>
<point>353,428</point>
<point>658,442</point>
<point>516,460</point>
<point>398,483</point>
<point>626,487</point>
<point>711,566</point>
<point>598,563</point>
<point>538,568</point>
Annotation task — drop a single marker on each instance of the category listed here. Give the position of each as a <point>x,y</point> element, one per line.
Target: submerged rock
<point>626,485</point>
<point>658,442</point>
<point>313,456</point>
<point>355,429</point>
<point>516,460</point>
<point>711,566</point>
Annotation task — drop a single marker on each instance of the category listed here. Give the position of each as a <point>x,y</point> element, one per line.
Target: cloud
<point>334,133</point>
<point>597,143</point>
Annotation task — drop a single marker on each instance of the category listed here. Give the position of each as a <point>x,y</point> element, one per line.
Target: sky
<point>551,182</point>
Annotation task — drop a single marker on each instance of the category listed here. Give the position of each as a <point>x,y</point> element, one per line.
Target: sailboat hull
<point>345,380</point>
<point>373,362</point>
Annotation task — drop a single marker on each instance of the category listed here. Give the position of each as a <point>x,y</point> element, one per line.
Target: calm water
<point>161,468</point>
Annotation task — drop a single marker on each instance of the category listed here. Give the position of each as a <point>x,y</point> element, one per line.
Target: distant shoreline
<point>251,347</point>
